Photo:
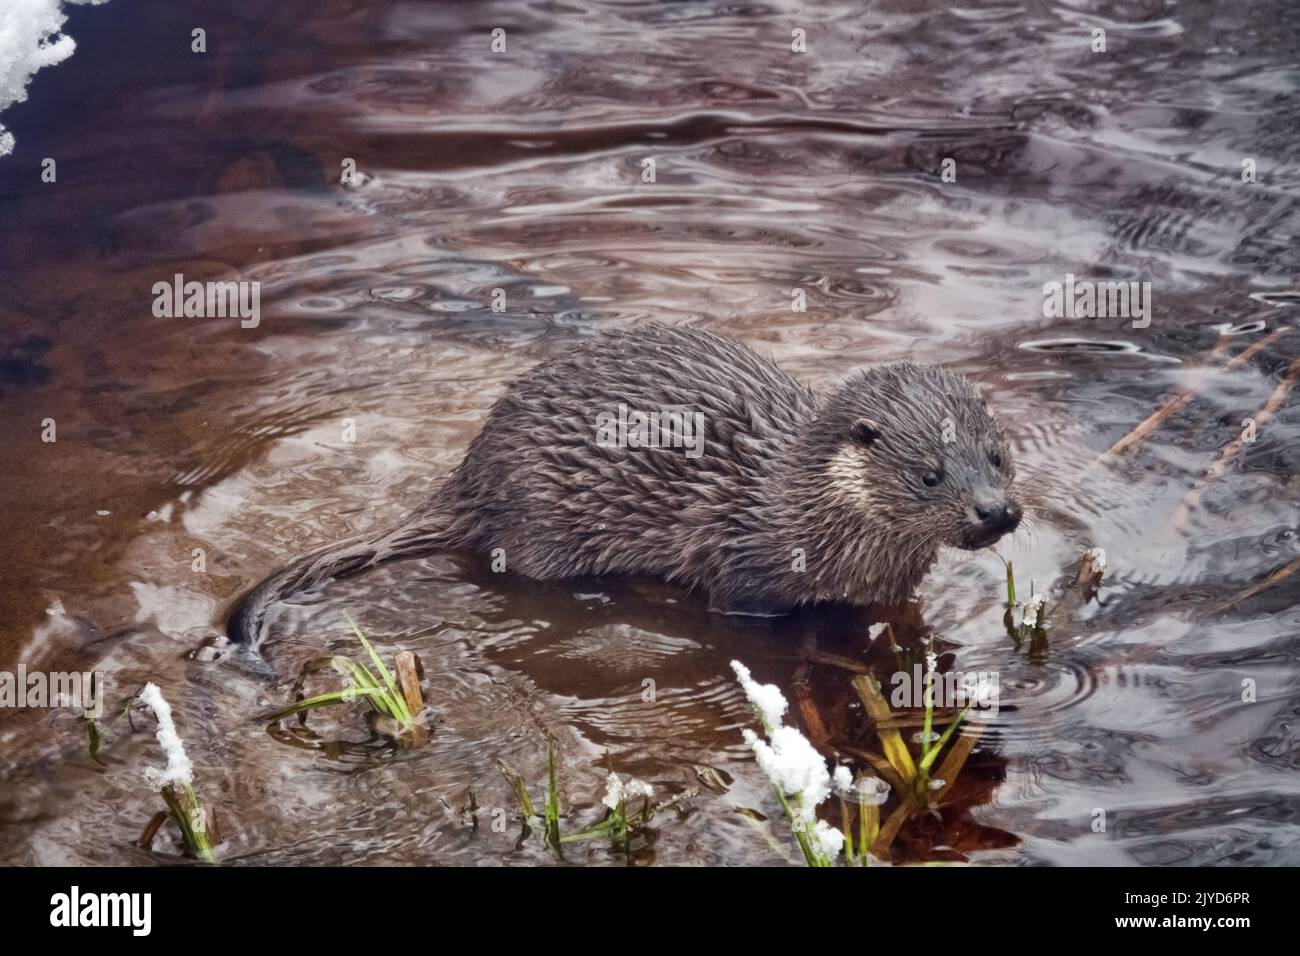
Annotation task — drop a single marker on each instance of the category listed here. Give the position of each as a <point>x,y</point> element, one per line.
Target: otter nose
<point>1000,516</point>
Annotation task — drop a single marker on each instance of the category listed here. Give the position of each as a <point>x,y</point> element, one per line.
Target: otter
<point>766,496</point>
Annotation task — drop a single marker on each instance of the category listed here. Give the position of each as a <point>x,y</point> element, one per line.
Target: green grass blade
<point>396,701</point>
<point>321,700</point>
<point>552,799</point>
<point>184,805</point>
<point>928,760</point>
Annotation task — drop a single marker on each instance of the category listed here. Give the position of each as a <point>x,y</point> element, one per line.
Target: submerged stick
<point>850,664</point>
<point>151,830</point>
<point>1187,393</point>
<point>889,830</point>
<point>1280,574</point>
<point>956,760</point>
<point>1234,448</point>
<point>812,717</point>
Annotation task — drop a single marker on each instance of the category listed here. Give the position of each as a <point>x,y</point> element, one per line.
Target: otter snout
<point>990,520</point>
<point>998,516</point>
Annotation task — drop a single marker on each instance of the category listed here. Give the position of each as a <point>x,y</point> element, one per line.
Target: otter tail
<point>247,623</point>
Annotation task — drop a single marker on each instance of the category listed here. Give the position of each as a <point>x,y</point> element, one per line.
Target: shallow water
<point>522,171</point>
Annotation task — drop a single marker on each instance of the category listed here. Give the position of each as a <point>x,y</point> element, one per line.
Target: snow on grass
<point>767,700</point>
<point>178,770</point>
<point>843,778</point>
<point>827,840</point>
<point>617,791</point>
<point>797,771</point>
<point>1033,609</point>
<point>795,766</point>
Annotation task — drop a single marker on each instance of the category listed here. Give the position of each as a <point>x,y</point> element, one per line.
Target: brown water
<point>523,171</point>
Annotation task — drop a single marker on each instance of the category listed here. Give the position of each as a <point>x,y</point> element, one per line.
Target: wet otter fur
<point>794,497</point>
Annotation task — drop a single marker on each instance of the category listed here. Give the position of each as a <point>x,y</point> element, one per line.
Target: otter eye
<point>932,478</point>
<point>996,458</point>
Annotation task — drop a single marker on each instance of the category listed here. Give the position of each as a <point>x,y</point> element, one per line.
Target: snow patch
<point>178,769</point>
<point>29,40</point>
<point>766,699</point>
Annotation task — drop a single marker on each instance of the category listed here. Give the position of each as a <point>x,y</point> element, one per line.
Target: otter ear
<point>865,432</point>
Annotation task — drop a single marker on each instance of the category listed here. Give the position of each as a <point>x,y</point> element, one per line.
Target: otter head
<point>915,448</point>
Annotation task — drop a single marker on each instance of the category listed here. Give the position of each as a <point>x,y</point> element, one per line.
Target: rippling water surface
<point>523,171</point>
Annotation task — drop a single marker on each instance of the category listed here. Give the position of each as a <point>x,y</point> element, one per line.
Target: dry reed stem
<point>958,754</point>
<point>891,741</point>
<point>878,763</point>
<point>880,847</point>
<point>408,678</point>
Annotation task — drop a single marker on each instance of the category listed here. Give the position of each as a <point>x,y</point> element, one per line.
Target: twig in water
<point>1185,395</point>
<point>1234,448</point>
<point>1279,575</point>
<point>812,718</point>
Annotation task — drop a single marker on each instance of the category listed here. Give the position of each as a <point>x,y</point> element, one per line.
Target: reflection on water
<point>523,171</point>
